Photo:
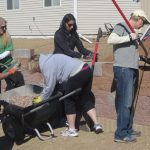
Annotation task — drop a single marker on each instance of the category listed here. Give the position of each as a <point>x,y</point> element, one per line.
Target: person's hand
<point>145,59</point>
<point>78,55</point>
<point>89,56</point>
<point>133,36</point>
<point>12,71</point>
<point>37,100</point>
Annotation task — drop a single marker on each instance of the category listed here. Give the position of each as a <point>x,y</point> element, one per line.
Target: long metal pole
<point>99,35</point>
<point>76,10</point>
<point>124,17</point>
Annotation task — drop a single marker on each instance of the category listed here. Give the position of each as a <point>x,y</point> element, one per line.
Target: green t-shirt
<point>3,48</point>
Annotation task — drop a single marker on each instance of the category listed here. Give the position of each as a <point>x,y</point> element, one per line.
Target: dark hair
<point>66,19</point>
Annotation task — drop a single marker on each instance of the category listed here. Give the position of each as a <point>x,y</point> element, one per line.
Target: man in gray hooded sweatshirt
<point>59,68</point>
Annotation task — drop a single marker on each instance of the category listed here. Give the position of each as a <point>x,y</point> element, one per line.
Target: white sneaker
<point>98,128</point>
<point>70,132</point>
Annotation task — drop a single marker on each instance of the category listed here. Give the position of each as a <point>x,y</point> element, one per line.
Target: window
<point>12,4</point>
<point>51,3</point>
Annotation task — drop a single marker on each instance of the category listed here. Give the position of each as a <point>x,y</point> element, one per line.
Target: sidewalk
<point>105,107</point>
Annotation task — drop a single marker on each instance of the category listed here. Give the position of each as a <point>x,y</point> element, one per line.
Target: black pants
<point>86,99</point>
<point>14,81</point>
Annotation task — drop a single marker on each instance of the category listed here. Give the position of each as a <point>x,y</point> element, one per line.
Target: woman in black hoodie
<point>66,39</point>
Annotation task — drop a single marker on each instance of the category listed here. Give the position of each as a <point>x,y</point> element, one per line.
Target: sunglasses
<point>70,25</point>
<point>3,27</point>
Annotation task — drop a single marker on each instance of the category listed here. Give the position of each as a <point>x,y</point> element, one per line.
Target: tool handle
<point>99,35</point>
<point>124,17</point>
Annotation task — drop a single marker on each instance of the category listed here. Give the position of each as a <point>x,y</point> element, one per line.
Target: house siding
<point>98,12</point>
<point>47,19</point>
<point>145,5</point>
<point>91,14</point>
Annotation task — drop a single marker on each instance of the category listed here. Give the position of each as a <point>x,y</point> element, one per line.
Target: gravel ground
<point>105,108</point>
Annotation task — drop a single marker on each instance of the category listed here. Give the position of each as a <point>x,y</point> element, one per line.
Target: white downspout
<point>76,17</point>
<point>76,10</point>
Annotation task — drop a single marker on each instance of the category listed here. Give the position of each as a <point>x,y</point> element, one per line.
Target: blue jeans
<point>126,87</point>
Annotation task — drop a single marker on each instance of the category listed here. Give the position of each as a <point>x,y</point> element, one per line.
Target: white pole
<point>76,10</point>
<point>76,17</point>
<point>84,38</point>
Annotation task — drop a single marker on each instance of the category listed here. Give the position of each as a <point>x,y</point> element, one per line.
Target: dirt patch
<point>105,108</point>
<point>101,84</point>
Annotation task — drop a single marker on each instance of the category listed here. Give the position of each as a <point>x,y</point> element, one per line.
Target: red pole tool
<point>99,35</point>
<point>124,17</point>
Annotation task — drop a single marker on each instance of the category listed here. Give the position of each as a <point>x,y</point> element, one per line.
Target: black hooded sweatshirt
<point>65,43</point>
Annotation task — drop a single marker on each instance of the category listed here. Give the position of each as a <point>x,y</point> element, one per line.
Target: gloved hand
<point>145,59</point>
<point>134,36</point>
<point>78,55</point>
<point>12,71</point>
<point>89,56</point>
<point>37,100</point>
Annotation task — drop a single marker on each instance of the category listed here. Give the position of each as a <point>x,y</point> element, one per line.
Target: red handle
<point>124,17</point>
<point>99,35</point>
<point>95,53</point>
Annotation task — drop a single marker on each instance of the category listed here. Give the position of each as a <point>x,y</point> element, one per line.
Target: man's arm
<point>116,39</point>
<point>5,54</point>
<point>5,75</point>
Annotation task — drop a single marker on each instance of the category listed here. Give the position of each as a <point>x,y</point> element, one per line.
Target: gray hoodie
<point>57,68</point>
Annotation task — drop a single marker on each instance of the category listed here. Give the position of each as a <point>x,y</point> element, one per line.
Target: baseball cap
<point>142,14</point>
